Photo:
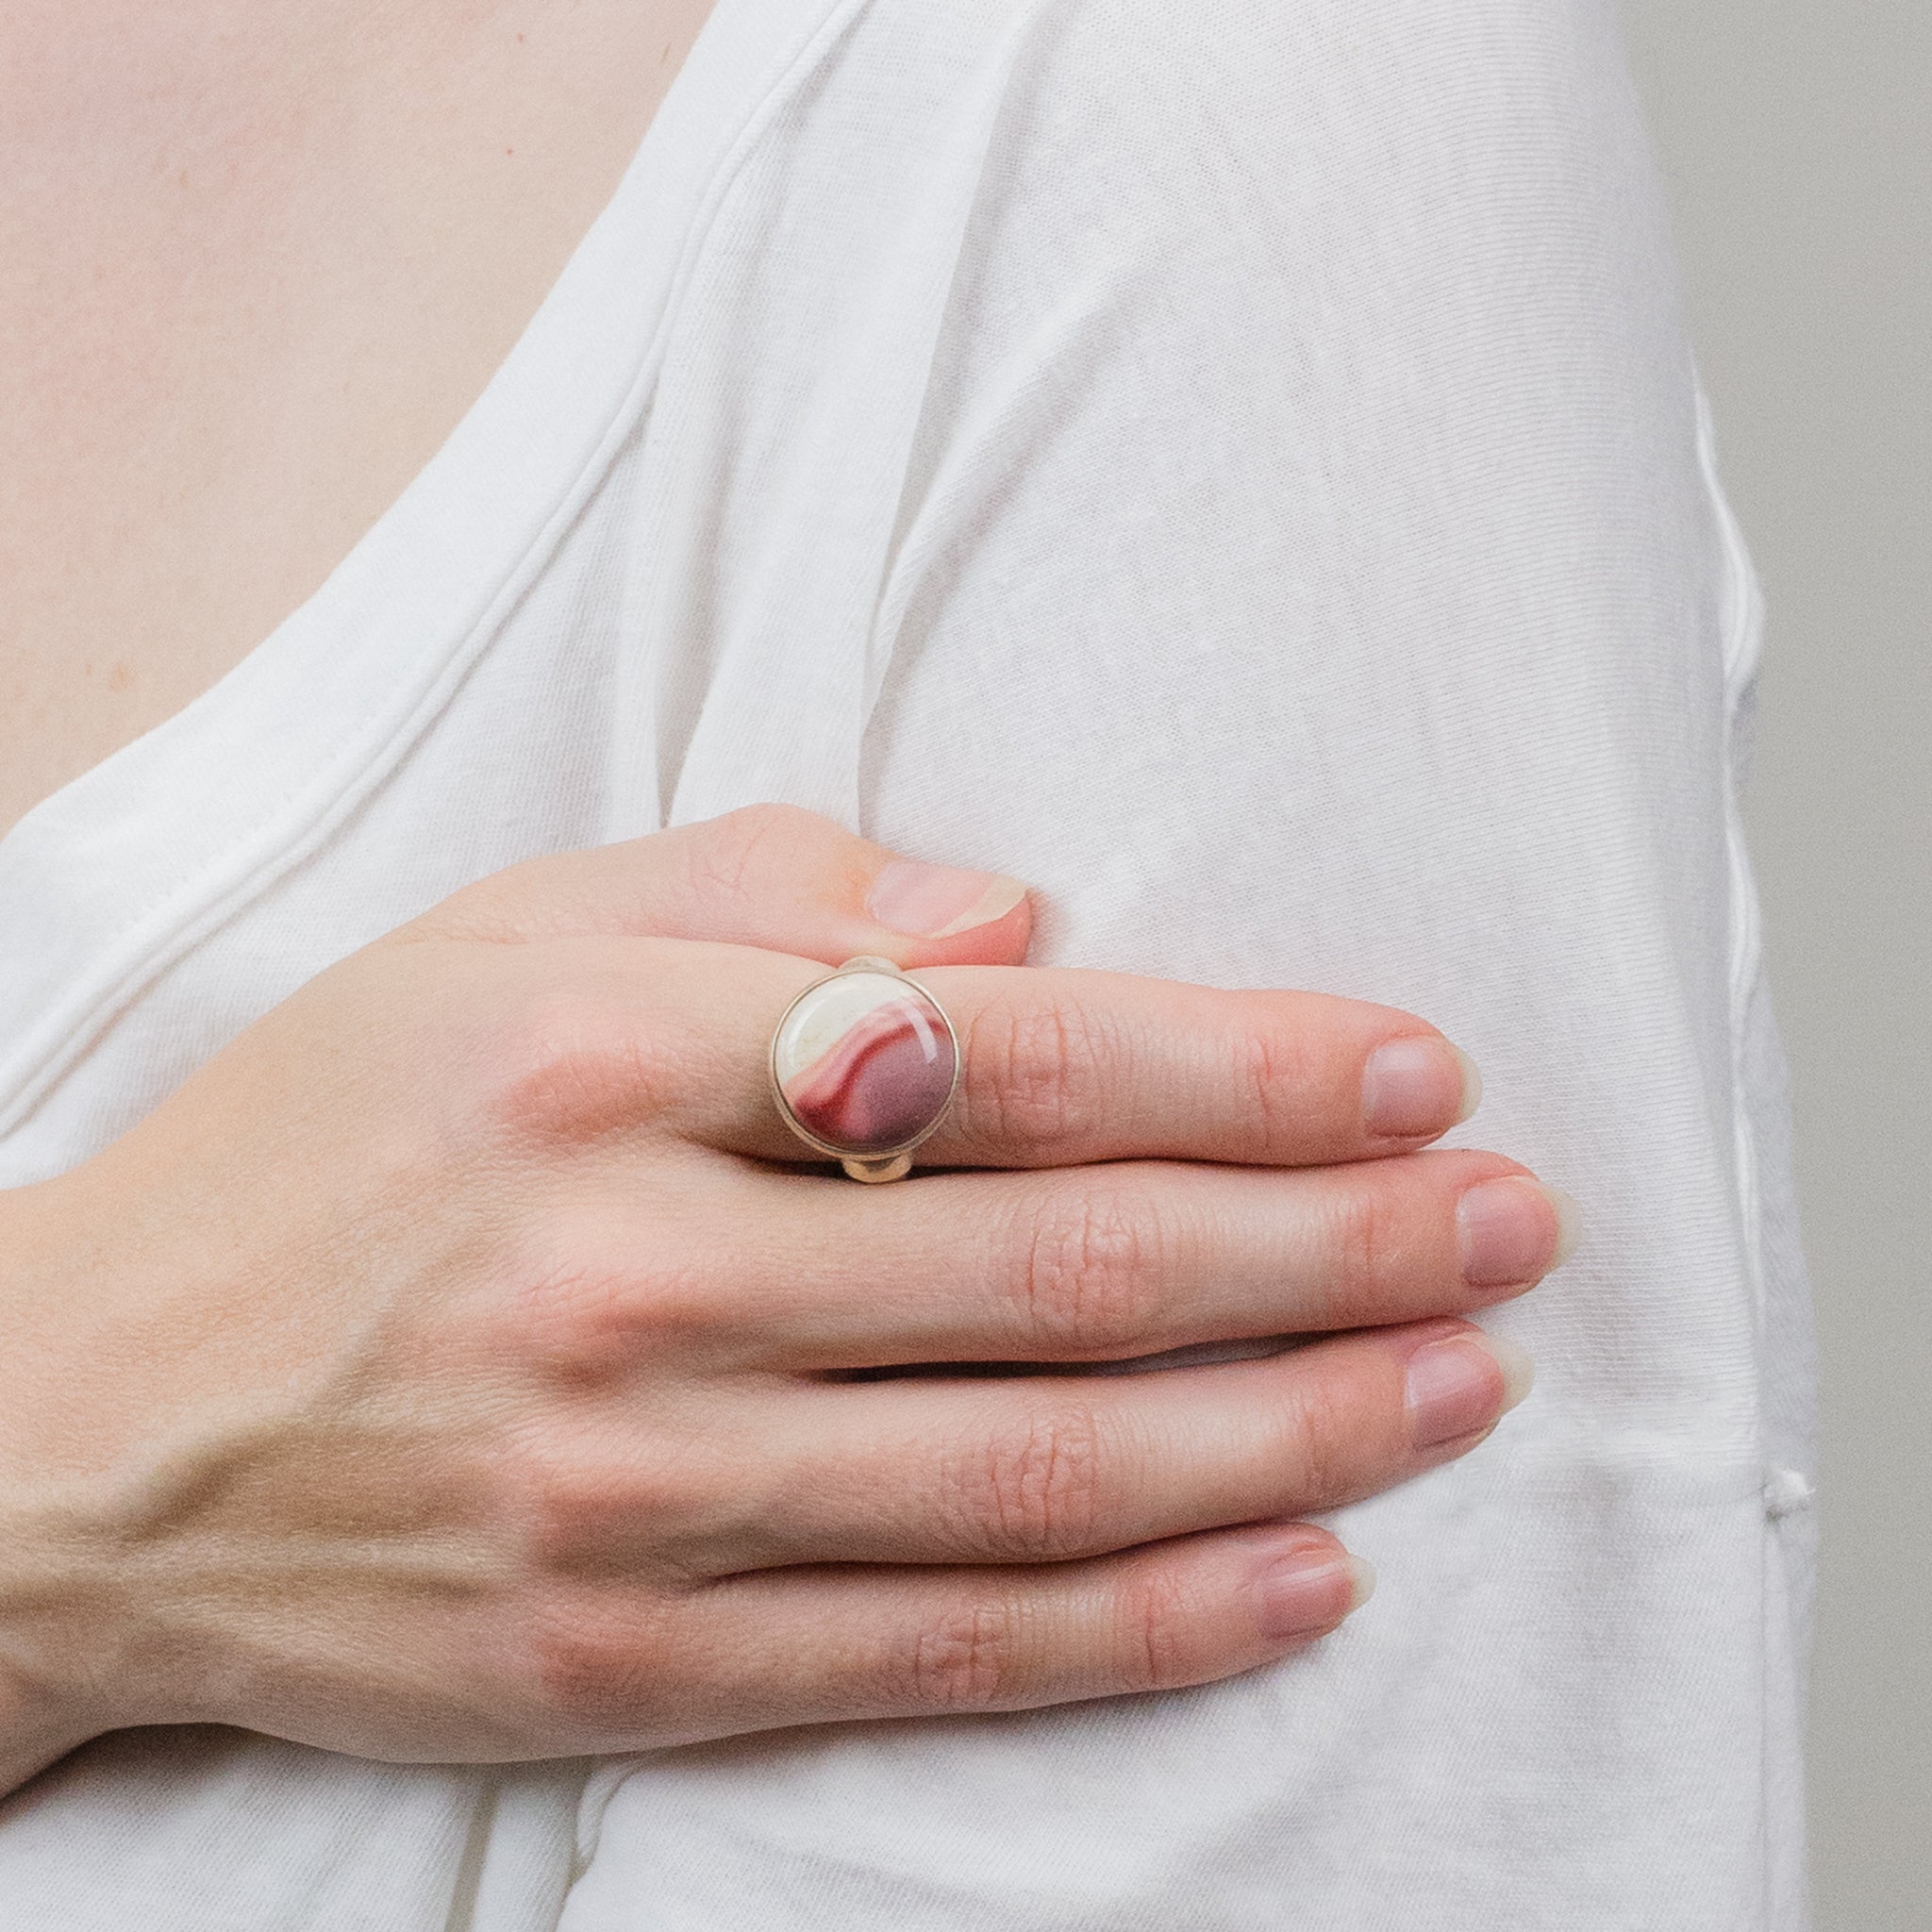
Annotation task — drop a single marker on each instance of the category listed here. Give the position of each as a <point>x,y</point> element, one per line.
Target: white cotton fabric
<point>1239,467</point>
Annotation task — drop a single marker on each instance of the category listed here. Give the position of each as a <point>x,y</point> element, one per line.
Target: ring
<point>864,1065</point>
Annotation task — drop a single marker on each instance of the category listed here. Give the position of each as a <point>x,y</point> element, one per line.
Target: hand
<point>463,1364</point>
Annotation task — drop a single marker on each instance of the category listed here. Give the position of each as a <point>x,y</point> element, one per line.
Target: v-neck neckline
<point>108,880</point>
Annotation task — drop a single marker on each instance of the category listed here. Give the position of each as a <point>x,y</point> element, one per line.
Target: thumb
<point>769,875</point>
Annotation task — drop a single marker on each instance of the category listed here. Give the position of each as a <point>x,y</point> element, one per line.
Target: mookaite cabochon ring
<point>864,1065</point>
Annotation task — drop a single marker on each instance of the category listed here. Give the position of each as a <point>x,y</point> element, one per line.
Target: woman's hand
<point>461,1365</point>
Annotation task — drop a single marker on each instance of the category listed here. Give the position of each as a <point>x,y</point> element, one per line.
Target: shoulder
<point>1468,169</point>
<point>1242,108</point>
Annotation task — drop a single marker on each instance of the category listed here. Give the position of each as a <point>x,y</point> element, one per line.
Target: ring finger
<point>1024,1470</point>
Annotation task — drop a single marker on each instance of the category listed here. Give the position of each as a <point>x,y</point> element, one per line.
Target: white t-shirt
<point>1239,469</point>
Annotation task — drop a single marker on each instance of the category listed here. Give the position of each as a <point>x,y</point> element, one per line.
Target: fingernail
<point>1421,1085</point>
<point>1310,1590</point>
<point>933,902</point>
<point>1462,1384</point>
<point>1513,1230</point>
<point>1569,1224</point>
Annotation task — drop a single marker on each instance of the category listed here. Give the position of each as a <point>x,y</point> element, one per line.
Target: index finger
<point>1060,1067</point>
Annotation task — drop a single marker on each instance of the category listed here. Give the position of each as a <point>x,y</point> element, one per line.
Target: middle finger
<point>1109,1262</point>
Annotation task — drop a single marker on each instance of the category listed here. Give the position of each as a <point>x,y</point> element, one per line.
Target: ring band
<point>864,1065</point>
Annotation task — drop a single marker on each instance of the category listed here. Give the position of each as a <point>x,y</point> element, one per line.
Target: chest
<point>257,264</point>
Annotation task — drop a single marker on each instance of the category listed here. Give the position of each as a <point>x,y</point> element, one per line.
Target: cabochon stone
<point>865,1062</point>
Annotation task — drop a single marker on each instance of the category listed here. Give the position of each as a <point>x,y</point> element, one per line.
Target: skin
<point>256,262</point>
<point>461,1365</point>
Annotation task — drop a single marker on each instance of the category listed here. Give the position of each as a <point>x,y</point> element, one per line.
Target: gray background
<point>1796,138</point>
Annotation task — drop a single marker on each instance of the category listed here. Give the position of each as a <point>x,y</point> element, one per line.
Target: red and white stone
<point>866,1063</point>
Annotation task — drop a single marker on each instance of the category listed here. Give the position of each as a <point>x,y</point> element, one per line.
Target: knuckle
<point>576,1305</point>
<point>1091,1268</point>
<point>968,1658</point>
<point>581,1506</point>
<point>1367,1252</point>
<point>729,858</point>
<point>1332,1433</point>
<point>1276,1081</point>
<point>1033,1492</point>
<point>1033,1075</point>
<point>565,1504</point>
<point>570,1066</point>
<point>594,1665</point>
<point>1157,1620</point>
